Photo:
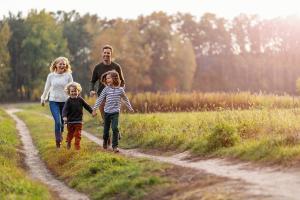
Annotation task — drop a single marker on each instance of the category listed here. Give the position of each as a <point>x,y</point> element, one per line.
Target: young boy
<point>73,112</point>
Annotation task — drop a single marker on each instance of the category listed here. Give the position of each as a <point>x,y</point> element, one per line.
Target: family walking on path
<point>66,104</point>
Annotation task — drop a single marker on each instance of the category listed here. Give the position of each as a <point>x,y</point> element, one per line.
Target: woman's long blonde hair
<point>53,64</point>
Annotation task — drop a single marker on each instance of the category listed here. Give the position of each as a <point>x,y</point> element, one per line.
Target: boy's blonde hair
<point>54,63</point>
<point>73,84</point>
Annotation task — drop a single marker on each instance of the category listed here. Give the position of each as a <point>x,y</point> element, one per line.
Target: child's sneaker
<point>116,150</point>
<point>69,145</point>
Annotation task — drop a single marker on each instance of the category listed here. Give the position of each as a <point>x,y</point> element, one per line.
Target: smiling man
<point>106,65</point>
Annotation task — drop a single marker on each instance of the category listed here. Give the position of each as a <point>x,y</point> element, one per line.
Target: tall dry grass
<point>196,101</point>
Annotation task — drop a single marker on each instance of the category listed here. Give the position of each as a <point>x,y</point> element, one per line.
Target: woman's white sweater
<point>55,85</point>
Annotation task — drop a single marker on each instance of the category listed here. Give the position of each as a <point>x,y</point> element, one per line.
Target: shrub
<point>223,135</point>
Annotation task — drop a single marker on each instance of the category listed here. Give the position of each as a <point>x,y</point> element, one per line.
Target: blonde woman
<point>59,76</point>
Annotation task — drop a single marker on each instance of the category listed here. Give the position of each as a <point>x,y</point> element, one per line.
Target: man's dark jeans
<point>113,120</point>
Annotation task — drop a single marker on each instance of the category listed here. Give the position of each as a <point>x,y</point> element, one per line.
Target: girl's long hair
<point>115,77</point>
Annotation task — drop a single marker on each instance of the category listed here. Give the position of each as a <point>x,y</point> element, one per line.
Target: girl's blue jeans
<point>56,110</point>
<point>111,119</point>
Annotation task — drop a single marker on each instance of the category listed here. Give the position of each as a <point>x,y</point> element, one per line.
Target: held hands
<point>94,113</point>
<point>65,119</point>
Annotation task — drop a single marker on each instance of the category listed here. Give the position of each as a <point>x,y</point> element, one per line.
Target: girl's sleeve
<point>126,100</point>
<point>100,99</point>
<point>46,89</point>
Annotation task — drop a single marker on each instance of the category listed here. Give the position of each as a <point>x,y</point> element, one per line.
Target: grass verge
<point>14,183</point>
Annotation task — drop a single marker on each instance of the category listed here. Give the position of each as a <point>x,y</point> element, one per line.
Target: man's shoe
<point>116,150</point>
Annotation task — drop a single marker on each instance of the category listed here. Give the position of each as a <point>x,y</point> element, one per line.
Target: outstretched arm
<point>86,105</point>
<point>126,100</point>
<point>100,99</point>
<point>93,82</point>
<point>65,111</point>
<point>46,90</point>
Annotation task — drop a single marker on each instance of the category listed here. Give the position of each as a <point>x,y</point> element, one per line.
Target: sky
<point>131,9</point>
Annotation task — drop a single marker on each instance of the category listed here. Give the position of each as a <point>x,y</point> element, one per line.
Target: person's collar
<point>105,63</point>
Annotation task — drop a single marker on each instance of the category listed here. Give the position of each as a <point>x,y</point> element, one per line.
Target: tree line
<point>158,52</point>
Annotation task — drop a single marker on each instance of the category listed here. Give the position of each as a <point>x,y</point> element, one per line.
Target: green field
<point>14,183</point>
<point>270,136</point>
<point>258,135</point>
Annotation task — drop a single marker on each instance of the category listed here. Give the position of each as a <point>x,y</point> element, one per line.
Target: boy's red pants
<point>74,130</point>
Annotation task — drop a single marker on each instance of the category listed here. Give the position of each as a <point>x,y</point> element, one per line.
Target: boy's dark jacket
<point>73,109</point>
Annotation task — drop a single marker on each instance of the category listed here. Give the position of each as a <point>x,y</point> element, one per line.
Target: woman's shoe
<point>116,150</point>
<point>57,144</point>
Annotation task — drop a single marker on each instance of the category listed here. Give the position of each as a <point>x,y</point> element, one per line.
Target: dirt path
<point>37,168</point>
<point>265,181</point>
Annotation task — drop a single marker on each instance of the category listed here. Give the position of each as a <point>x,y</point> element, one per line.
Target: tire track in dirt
<point>37,168</point>
<point>264,181</point>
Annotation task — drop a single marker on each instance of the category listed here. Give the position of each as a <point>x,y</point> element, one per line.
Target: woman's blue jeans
<point>56,110</point>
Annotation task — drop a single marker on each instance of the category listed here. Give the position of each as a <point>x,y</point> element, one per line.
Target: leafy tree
<point>43,43</point>
<point>79,44</point>
<point>18,34</point>
<point>5,84</point>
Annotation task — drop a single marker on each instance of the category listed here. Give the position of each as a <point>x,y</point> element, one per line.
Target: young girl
<point>72,113</point>
<point>112,94</point>
<point>59,76</point>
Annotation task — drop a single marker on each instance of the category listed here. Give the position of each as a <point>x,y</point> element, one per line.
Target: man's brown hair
<point>107,47</point>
